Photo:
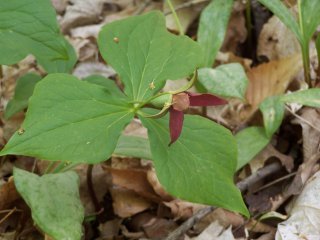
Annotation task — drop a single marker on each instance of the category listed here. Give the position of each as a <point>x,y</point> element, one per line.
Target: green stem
<point>304,48</point>
<point>176,18</point>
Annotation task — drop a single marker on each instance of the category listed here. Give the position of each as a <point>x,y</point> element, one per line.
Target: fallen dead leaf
<point>269,79</point>
<point>8,194</point>
<point>81,12</point>
<point>215,232</point>
<point>304,220</point>
<point>182,209</point>
<point>276,41</point>
<point>127,203</point>
<point>268,152</point>
<point>156,185</point>
<point>86,69</point>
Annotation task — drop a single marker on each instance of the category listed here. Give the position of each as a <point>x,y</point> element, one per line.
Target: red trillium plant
<point>81,121</point>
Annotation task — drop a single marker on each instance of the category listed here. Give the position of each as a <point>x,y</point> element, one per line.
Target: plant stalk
<point>176,18</point>
<point>305,49</point>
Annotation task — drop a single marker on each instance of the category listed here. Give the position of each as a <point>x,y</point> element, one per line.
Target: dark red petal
<point>205,99</point>
<point>175,124</point>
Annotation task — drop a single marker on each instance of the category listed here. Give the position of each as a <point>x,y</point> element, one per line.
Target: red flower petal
<point>175,124</point>
<point>205,99</point>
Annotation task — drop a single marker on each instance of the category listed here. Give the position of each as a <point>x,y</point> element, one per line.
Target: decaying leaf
<point>215,232</point>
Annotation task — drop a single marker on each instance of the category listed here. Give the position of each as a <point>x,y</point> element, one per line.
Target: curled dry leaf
<point>157,187</point>
<point>87,69</point>
<point>304,220</point>
<point>60,5</point>
<point>270,79</point>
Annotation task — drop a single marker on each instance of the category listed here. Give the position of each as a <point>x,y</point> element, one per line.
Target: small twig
<point>260,174</point>
<point>275,181</point>
<point>302,119</point>
<point>242,185</point>
<point>189,223</point>
<point>8,215</point>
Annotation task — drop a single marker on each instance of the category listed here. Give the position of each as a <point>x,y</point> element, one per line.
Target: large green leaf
<point>30,27</point>
<point>105,82</point>
<point>228,80</point>
<point>55,202</point>
<point>200,165</point>
<point>310,97</point>
<point>212,28</point>
<point>23,91</point>
<point>250,142</point>
<point>284,14</point>
<point>133,146</point>
<point>145,54</point>
<point>70,120</point>
<point>310,18</point>
<point>272,111</point>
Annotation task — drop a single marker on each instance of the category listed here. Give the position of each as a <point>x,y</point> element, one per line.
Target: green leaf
<point>23,91</point>
<point>212,28</point>
<point>30,27</point>
<point>143,52</point>
<point>70,120</point>
<point>310,18</point>
<point>272,111</point>
<point>229,80</point>
<point>250,142</point>
<point>310,97</point>
<point>284,14</point>
<point>132,146</point>
<point>200,165</point>
<point>55,202</point>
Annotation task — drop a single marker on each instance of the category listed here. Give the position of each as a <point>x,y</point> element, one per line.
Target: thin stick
<point>8,215</point>
<point>302,119</point>
<point>176,18</point>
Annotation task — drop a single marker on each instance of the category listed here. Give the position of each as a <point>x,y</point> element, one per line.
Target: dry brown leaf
<point>127,203</point>
<point>60,5</point>
<point>183,210</point>
<point>236,30</point>
<point>270,79</point>
<point>309,121</point>
<point>276,41</point>
<point>215,232</point>
<point>135,180</point>
<point>224,217</point>
<point>268,152</point>
<point>259,227</point>
<point>8,194</point>
<point>156,185</point>
<point>81,12</point>
<point>109,229</point>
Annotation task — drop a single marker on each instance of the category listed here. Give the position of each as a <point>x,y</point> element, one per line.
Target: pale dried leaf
<point>183,210</point>
<point>276,41</point>
<point>304,222</point>
<point>215,232</point>
<point>87,69</point>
